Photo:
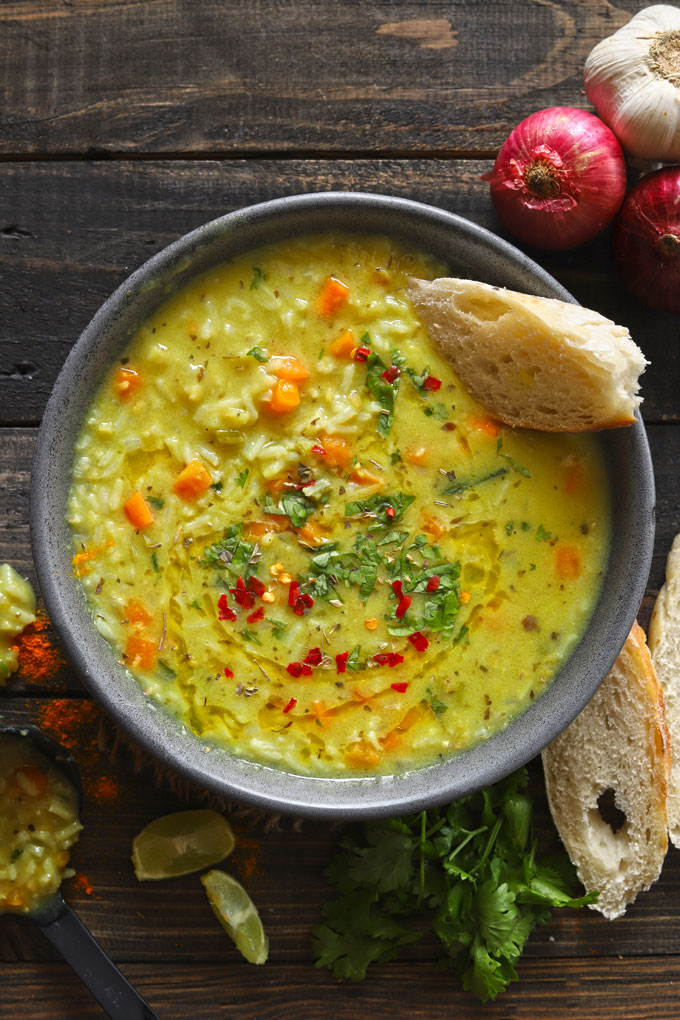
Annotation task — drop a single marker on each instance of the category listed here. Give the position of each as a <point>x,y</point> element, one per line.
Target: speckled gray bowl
<point>469,251</point>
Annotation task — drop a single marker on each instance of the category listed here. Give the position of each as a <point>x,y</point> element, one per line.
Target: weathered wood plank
<point>281,866</point>
<point>71,232</point>
<point>547,990</point>
<point>166,76</point>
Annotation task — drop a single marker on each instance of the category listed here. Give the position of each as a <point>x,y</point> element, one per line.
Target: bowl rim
<point>265,786</point>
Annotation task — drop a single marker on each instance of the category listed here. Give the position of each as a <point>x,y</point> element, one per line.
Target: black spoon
<point>62,926</point>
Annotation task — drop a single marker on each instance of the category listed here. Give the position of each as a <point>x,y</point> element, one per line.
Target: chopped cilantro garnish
<point>257,352</point>
<point>242,477</point>
<point>510,527</point>
<point>294,505</point>
<point>232,553</point>
<point>542,535</point>
<point>249,635</point>
<point>154,562</point>
<point>473,865</point>
<point>395,457</point>
<point>278,629</point>
<point>462,486</point>
<point>525,526</point>
<point>437,706</point>
<point>166,671</point>
<point>460,635</point>
<point>353,660</point>
<point>217,486</point>
<point>517,467</point>
<point>382,391</point>
<point>156,502</point>
<point>418,379</point>
<point>196,604</point>
<point>378,504</point>
<point>259,276</point>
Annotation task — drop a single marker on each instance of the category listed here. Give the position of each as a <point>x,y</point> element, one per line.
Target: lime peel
<point>237,914</point>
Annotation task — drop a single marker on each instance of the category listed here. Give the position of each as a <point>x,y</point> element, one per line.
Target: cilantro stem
<point>463,843</point>
<point>423,833</point>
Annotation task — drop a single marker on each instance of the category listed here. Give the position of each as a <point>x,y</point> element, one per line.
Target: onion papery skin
<point>559,178</point>
<point>647,240</point>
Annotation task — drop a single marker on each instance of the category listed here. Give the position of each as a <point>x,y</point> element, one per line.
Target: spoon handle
<point>99,974</point>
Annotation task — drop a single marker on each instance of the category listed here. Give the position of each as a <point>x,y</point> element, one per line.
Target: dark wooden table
<point>126,124</point>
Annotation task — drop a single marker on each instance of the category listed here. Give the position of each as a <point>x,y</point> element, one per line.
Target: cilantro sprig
<point>294,505</point>
<point>233,553</point>
<point>473,865</point>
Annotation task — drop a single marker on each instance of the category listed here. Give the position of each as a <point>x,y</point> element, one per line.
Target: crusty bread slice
<point>664,644</point>
<point>533,362</point>
<point>618,743</point>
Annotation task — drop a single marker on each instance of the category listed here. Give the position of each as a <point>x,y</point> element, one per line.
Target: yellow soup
<point>305,539</point>
<point>38,825</point>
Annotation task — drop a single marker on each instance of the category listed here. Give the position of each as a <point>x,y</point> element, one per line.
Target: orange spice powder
<point>39,659</point>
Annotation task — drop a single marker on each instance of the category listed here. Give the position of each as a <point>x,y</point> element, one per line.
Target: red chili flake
<point>314,656</point>
<point>341,662</point>
<point>404,603</point>
<point>389,512</point>
<point>298,601</point>
<point>361,353</point>
<point>296,669</point>
<point>256,616</point>
<point>319,450</point>
<point>243,597</point>
<point>419,641</point>
<point>390,659</point>
<point>432,384</point>
<point>433,583</point>
<point>225,613</point>
<point>291,704</point>
<point>228,673</point>
<point>398,589</point>
<point>400,687</point>
<point>256,586</point>
<point>392,373</point>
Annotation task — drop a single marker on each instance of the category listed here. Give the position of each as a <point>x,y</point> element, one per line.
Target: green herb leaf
<point>156,502</point>
<point>166,671</point>
<point>257,352</point>
<point>462,486</point>
<point>294,505</point>
<point>242,477</point>
<point>383,392</point>
<point>259,276</point>
<point>437,706</point>
<point>232,553</point>
<point>249,635</point>
<point>542,535</point>
<point>154,562</point>
<point>378,504</point>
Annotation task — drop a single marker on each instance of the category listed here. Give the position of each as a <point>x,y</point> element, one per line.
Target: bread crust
<point>533,362</point>
<point>619,742</point>
<point>664,644</point>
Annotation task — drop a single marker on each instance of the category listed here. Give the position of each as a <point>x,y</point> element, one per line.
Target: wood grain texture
<point>71,232</point>
<point>175,75</point>
<point>624,989</point>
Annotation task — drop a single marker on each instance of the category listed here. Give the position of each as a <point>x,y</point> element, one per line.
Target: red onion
<point>559,178</point>
<point>647,240</point>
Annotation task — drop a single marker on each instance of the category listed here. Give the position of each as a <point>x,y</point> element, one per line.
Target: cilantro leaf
<point>259,276</point>
<point>294,505</point>
<point>382,391</point>
<point>232,553</point>
<point>473,864</point>
<point>376,506</point>
<point>462,486</point>
<point>258,353</point>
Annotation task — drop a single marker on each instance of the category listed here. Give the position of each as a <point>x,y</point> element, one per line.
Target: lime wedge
<point>237,914</point>
<point>181,843</point>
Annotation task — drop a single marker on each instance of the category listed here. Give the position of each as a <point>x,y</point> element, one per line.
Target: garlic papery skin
<point>633,81</point>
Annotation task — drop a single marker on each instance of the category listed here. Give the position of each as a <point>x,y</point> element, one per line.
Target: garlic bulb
<point>633,81</point>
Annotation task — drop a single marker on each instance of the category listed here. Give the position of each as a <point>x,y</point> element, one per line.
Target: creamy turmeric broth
<point>302,536</point>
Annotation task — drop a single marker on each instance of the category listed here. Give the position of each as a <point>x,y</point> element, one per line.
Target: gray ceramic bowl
<point>469,251</point>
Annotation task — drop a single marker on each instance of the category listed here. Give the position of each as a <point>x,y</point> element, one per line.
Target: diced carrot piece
<point>285,397</point>
<point>289,368</point>
<point>432,526</point>
<point>361,476</point>
<point>464,598</point>
<point>276,485</point>
<point>343,345</point>
<point>568,562</point>
<point>488,425</point>
<point>332,297</point>
<point>138,511</point>
<point>137,614</point>
<point>338,451</point>
<point>391,740</point>
<point>371,623</point>
<point>273,524</point>
<point>192,481</point>
<point>126,382</point>
<point>420,455</point>
<point>574,481</point>
<point>35,780</point>
<point>362,755</point>
<point>311,533</point>
<point>140,653</point>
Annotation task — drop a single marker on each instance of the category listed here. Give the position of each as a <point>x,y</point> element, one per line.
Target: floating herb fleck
<point>242,477</point>
<point>542,535</point>
<point>257,353</point>
<point>259,276</point>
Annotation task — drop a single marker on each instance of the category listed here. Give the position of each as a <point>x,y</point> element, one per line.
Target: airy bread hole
<point>609,811</point>
<point>486,309</point>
